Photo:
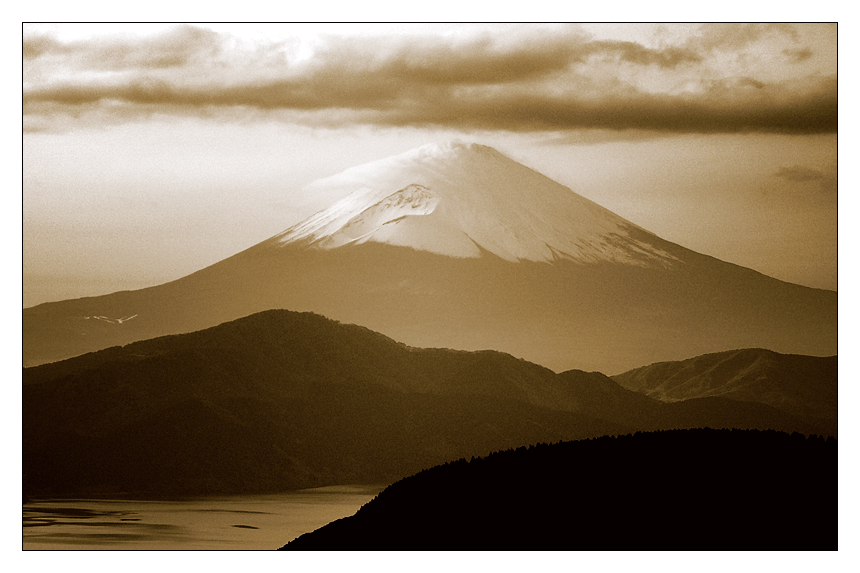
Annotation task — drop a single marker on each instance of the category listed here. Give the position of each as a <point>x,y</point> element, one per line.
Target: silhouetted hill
<point>599,316</point>
<point>276,401</point>
<point>283,400</point>
<point>805,386</point>
<point>674,490</point>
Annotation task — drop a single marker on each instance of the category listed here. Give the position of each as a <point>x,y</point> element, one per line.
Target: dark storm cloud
<point>546,82</point>
<point>827,180</point>
<point>39,44</point>
<point>799,173</point>
<point>798,55</point>
<point>483,60</point>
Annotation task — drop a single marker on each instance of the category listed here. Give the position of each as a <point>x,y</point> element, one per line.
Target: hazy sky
<point>150,152</point>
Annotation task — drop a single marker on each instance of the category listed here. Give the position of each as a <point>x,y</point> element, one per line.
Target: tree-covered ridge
<point>805,386</point>
<point>282,400</point>
<point>698,489</point>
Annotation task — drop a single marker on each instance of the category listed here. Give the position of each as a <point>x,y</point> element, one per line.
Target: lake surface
<point>235,522</point>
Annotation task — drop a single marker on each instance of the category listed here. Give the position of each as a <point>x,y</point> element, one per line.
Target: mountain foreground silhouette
<point>282,400</point>
<point>691,490</point>
<point>460,246</point>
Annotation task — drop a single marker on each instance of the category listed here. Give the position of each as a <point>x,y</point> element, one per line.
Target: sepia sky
<point>151,151</point>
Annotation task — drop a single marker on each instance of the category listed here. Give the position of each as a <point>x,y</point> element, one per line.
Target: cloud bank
<point>719,80</point>
<point>827,180</point>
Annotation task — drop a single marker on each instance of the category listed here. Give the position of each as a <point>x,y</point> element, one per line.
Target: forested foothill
<point>699,489</point>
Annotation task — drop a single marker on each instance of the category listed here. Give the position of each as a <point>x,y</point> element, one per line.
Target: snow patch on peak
<point>412,201</point>
<point>346,222</point>
<point>458,199</point>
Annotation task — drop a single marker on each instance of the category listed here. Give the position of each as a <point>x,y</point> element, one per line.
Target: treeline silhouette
<point>699,489</point>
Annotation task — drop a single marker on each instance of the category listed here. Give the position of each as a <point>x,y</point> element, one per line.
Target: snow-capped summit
<point>455,199</point>
<point>405,251</point>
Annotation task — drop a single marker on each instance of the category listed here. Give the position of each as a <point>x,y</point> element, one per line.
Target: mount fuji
<point>459,246</point>
<point>470,199</point>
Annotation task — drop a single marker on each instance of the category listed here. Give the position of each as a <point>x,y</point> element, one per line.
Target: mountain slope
<point>462,199</point>
<point>680,490</point>
<point>283,400</point>
<point>461,247</point>
<point>805,386</point>
<point>273,402</point>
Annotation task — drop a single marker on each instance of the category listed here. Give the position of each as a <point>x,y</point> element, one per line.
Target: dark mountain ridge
<point>805,386</point>
<point>674,490</point>
<point>283,400</point>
